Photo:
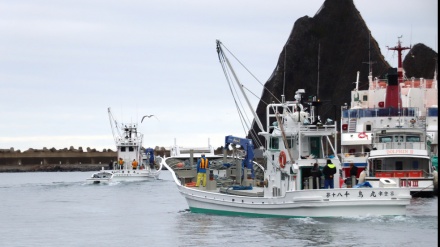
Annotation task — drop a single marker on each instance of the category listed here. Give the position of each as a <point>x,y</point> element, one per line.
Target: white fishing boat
<point>134,162</point>
<point>292,146</point>
<point>390,130</point>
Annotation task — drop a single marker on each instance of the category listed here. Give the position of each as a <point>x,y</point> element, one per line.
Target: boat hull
<point>107,176</point>
<point>101,177</point>
<point>135,175</point>
<point>419,187</point>
<point>316,203</point>
<point>99,180</point>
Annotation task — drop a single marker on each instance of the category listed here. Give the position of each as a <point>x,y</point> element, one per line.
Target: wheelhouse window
<point>290,142</point>
<point>415,164</point>
<point>399,165</point>
<point>122,149</point>
<point>385,139</point>
<point>432,112</point>
<point>412,138</point>
<point>274,143</point>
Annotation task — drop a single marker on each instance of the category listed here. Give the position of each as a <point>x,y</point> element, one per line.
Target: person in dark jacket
<point>316,174</point>
<point>353,172</point>
<point>329,172</point>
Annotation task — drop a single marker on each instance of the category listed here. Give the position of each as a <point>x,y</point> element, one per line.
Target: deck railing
<point>400,145</point>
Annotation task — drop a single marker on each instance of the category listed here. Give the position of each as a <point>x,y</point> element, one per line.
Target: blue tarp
<point>150,152</point>
<point>363,185</point>
<point>241,187</point>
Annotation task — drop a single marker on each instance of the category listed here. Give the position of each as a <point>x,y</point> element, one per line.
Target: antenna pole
<point>370,63</point>
<point>285,60</point>
<point>319,52</point>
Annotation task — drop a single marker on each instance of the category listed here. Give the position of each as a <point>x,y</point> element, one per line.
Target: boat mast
<point>317,88</point>
<point>284,79</point>
<point>393,98</point>
<point>370,63</point>
<point>399,50</point>
<point>357,81</point>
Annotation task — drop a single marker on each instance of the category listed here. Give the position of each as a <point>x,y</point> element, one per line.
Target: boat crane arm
<point>221,55</point>
<point>112,119</point>
<point>248,146</point>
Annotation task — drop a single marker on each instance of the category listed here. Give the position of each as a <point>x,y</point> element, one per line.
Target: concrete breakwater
<point>72,159</point>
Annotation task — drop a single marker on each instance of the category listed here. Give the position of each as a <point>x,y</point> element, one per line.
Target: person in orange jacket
<point>134,164</point>
<point>121,163</point>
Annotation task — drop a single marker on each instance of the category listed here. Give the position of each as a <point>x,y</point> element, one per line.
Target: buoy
<point>282,159</point>
<point>179,165</point>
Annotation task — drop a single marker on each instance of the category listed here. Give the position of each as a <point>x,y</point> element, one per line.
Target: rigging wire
<point>243,115</point>
<point>266,89</point>
<point>230,85</point>
<point>244,118</point>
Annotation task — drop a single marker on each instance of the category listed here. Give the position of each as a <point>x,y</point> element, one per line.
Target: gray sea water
<point>61,209</point>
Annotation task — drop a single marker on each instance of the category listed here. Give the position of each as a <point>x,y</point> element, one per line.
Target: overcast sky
<point>63,63</point>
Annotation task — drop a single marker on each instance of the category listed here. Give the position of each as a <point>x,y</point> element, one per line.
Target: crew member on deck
<point>353,170</point>
<point>353,174</point>
<point>329,171</point>
<point>202,166</point>
<point>316,174</point>
<point>121,163</point>
<point>134,164</point>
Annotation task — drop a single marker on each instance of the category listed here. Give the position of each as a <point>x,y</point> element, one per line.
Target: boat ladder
<point>352,125</point>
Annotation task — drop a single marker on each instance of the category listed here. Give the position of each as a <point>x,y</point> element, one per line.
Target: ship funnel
<point>393,93</point>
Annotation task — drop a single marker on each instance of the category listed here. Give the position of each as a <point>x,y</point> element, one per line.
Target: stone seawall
<point>54,160</point>
<point>44,160</point>
<point>52,168</point>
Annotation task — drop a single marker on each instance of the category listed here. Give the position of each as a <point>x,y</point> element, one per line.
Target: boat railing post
<point>353,181</point>
<point>311,183</point>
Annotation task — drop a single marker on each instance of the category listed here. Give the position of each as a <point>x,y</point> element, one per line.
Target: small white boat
<point>292,146</point>
<point>134,162</point>
<point>103,177</point>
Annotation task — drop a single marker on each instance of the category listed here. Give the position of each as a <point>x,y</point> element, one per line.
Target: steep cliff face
<point>420,61</point>
<point>323,54</point>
